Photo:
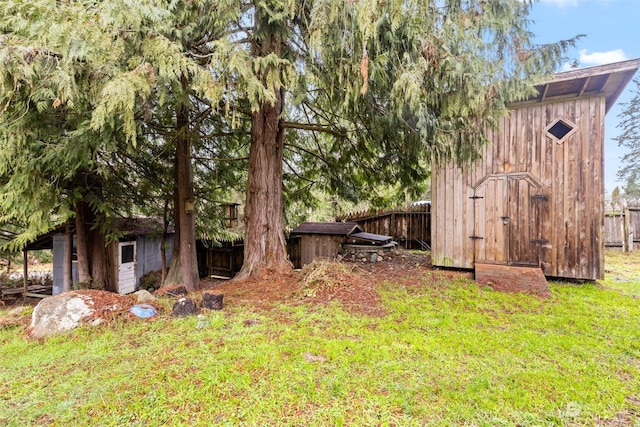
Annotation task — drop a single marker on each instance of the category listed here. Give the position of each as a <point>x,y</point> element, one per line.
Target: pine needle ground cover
<point>443,351</point>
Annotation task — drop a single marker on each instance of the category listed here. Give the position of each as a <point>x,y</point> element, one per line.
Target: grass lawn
<point>447,352</point>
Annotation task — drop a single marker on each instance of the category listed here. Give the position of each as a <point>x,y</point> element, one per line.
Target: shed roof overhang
<point>328,228</point>
<point>603,80</point>
<point>128,227</point>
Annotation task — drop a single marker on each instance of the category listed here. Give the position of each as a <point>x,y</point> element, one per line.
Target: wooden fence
<point>226,259</point>
<point>409,226</point>
<point>622,229</point>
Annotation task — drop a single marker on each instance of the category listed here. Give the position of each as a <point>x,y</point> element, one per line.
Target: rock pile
<point>371,256</point>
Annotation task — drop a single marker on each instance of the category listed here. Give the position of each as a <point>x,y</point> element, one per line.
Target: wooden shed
<point>322,239</point>
<point>328,239</point>
<point>536,197</point>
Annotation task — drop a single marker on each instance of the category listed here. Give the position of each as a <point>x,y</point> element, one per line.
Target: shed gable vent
<point>560,129</point>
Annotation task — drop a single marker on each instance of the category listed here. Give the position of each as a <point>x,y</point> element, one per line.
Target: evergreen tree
<point>630,137</point>
<point>632,187</point>
<point>391,85</point>
<point>49,150</point>
<point>346,95</point>
<point>107,91</point>
<point>616,201</point>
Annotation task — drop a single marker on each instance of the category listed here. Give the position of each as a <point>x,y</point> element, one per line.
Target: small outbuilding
<point>536,197</point>
<point>328,239</point>
<point>137,252</point>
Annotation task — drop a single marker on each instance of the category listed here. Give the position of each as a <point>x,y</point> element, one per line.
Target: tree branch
<point>314,128</point>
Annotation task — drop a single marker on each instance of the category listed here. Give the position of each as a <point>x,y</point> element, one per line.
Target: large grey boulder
<point>67,311</point>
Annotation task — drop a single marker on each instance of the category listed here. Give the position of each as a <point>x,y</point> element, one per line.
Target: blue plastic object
<point>143,310</point>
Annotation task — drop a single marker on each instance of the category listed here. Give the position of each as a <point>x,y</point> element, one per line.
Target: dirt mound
<point>355,288</point>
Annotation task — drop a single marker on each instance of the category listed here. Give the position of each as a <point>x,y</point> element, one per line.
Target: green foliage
<point>630,137</point>
<point>88,108</point>
<point>391,86</point>
<point>616,202</point>
<point>374,92</point>
<point>632,186</point>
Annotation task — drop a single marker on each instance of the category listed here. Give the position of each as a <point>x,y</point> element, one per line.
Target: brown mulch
<point>105,300</point>
<point>171,291</point>
<point>354,285</point>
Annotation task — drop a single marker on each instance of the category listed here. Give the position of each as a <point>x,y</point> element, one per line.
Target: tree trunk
<point>94,258</point>
<point>265,249</point>
<point>101,262</point>
<point>184,265</point>
<point>82,245</point>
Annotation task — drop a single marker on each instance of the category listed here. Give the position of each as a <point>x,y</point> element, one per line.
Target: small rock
<point>184,307</point>
<point>144,296</point>
<point>172,291</point>
<point>310,357</point>
<point>202,321</point>
<point>380,259</point>
<point>374,257</point>
<point>211,301</point>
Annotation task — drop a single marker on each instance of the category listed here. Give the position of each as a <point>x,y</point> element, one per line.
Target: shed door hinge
<point>542,197</point>
<point>476,197</point>
<point>476,237</point>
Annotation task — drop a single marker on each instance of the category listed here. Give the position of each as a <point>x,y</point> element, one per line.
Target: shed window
<point>127,254</point>
<point>560,129</point>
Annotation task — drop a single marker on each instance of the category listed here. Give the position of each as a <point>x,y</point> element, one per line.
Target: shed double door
<point>507,220</point>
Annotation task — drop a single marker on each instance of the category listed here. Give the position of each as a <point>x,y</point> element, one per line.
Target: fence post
<point>628,232</point>
<point>393,225</point>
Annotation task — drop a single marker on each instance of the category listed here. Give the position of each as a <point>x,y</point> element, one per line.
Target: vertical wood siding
<point>561,228</point>
<point>409,226</point>
<point>319,246</point>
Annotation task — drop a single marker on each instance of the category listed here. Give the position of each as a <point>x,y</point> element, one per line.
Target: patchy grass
<point>446,352</point>
<point>622,272</point>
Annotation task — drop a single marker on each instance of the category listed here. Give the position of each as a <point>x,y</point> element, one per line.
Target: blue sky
<point>612,29</point>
